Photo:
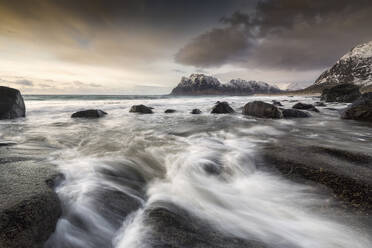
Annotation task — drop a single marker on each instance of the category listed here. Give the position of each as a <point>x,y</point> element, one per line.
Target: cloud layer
<point>284,34</point>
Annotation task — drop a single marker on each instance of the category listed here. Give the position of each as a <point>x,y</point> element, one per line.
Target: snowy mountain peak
<point>360,51</point>
<point>200,84</point>
<point>354,67</point>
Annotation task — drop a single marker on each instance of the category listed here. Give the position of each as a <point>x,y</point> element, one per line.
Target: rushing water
<point>117,167</point>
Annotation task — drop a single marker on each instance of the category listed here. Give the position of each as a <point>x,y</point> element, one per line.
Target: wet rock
<point>222,108</point>
<point>7,143</point>
<point>277,103</point>
<point>29,207</point>
<point>212,168</point>
<point>332,109</point>
<point>360,110</point>
<point>172,226</point>
<point>295,113</point>
<point>195,111</point>
<point>90,113</point>
<point>169,111</point>
<point>142,109</point>
<point>11,103</point>
<point>305,106</point>
<point>348,173</point>
<point>341,93</point>
<point>320,104</point>
<point>262,110</point>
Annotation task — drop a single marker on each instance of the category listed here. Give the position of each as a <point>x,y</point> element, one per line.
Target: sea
<point>116,169</point>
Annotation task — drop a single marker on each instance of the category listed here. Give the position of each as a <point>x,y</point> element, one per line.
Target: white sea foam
<point>202,163</point>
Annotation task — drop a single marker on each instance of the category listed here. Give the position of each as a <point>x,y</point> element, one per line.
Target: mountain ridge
<point>201,84</point>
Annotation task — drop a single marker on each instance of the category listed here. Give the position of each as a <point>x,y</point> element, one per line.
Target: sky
<point>146,46</point>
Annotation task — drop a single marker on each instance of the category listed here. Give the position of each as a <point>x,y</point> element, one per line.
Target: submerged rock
<point>11,103</point>
<point>173,226</point>
<point>295,113</point>
<point>262,110</point>
<point>361,109</point>
<point>341,93</point>
<point>222,108</point>
<point>277,103</point>
<point>320,104</point>
<point>347,173</point>
<point>141,109</point>
<point>90,113</point>
<point>169,111</point>
<point>195,111</point>
<point>305,106</point>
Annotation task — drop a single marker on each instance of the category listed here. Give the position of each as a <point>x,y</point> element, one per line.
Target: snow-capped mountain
<point>354,67</point>
<point>200,84</point>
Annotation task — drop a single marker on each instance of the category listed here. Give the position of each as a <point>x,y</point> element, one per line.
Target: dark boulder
<point>173,226</point>
<point>341,93</point>
<point>262,110</point>
<point>305,106</point>
<point>11,103</point>
<point>222,108</point>
<point>29,207</point>
<point>294,113</point>
<point>90,113</point>
<point>195,111</point>
<point>170,111</point>
<point>360,110</point>
<point>141,109</point>
<point>320,104</point>
<point>277,103</point>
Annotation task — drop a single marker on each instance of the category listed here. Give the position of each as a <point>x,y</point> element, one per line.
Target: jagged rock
<point>222,108</point>
<point>11,103</point>
<point>341,93</point>
<point>294,113</point>
<point>320,104</point>
<point>200,84</point>
<point>196,111</point>
<point>355,67</point>
<point>90,113</point>
<point>262,110</point>
<point>305,106</point>
<point>277,103</point>
<point>170,111</point>
<point>141,109</point>
<point>361,109</point>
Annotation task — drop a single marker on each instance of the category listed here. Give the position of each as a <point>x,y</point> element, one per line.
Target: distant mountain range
<point>354,67</point>
<point>200,84</point>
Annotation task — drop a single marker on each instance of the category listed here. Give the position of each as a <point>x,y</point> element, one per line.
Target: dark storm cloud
<point>287,34</point>
<point>110,32</point>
